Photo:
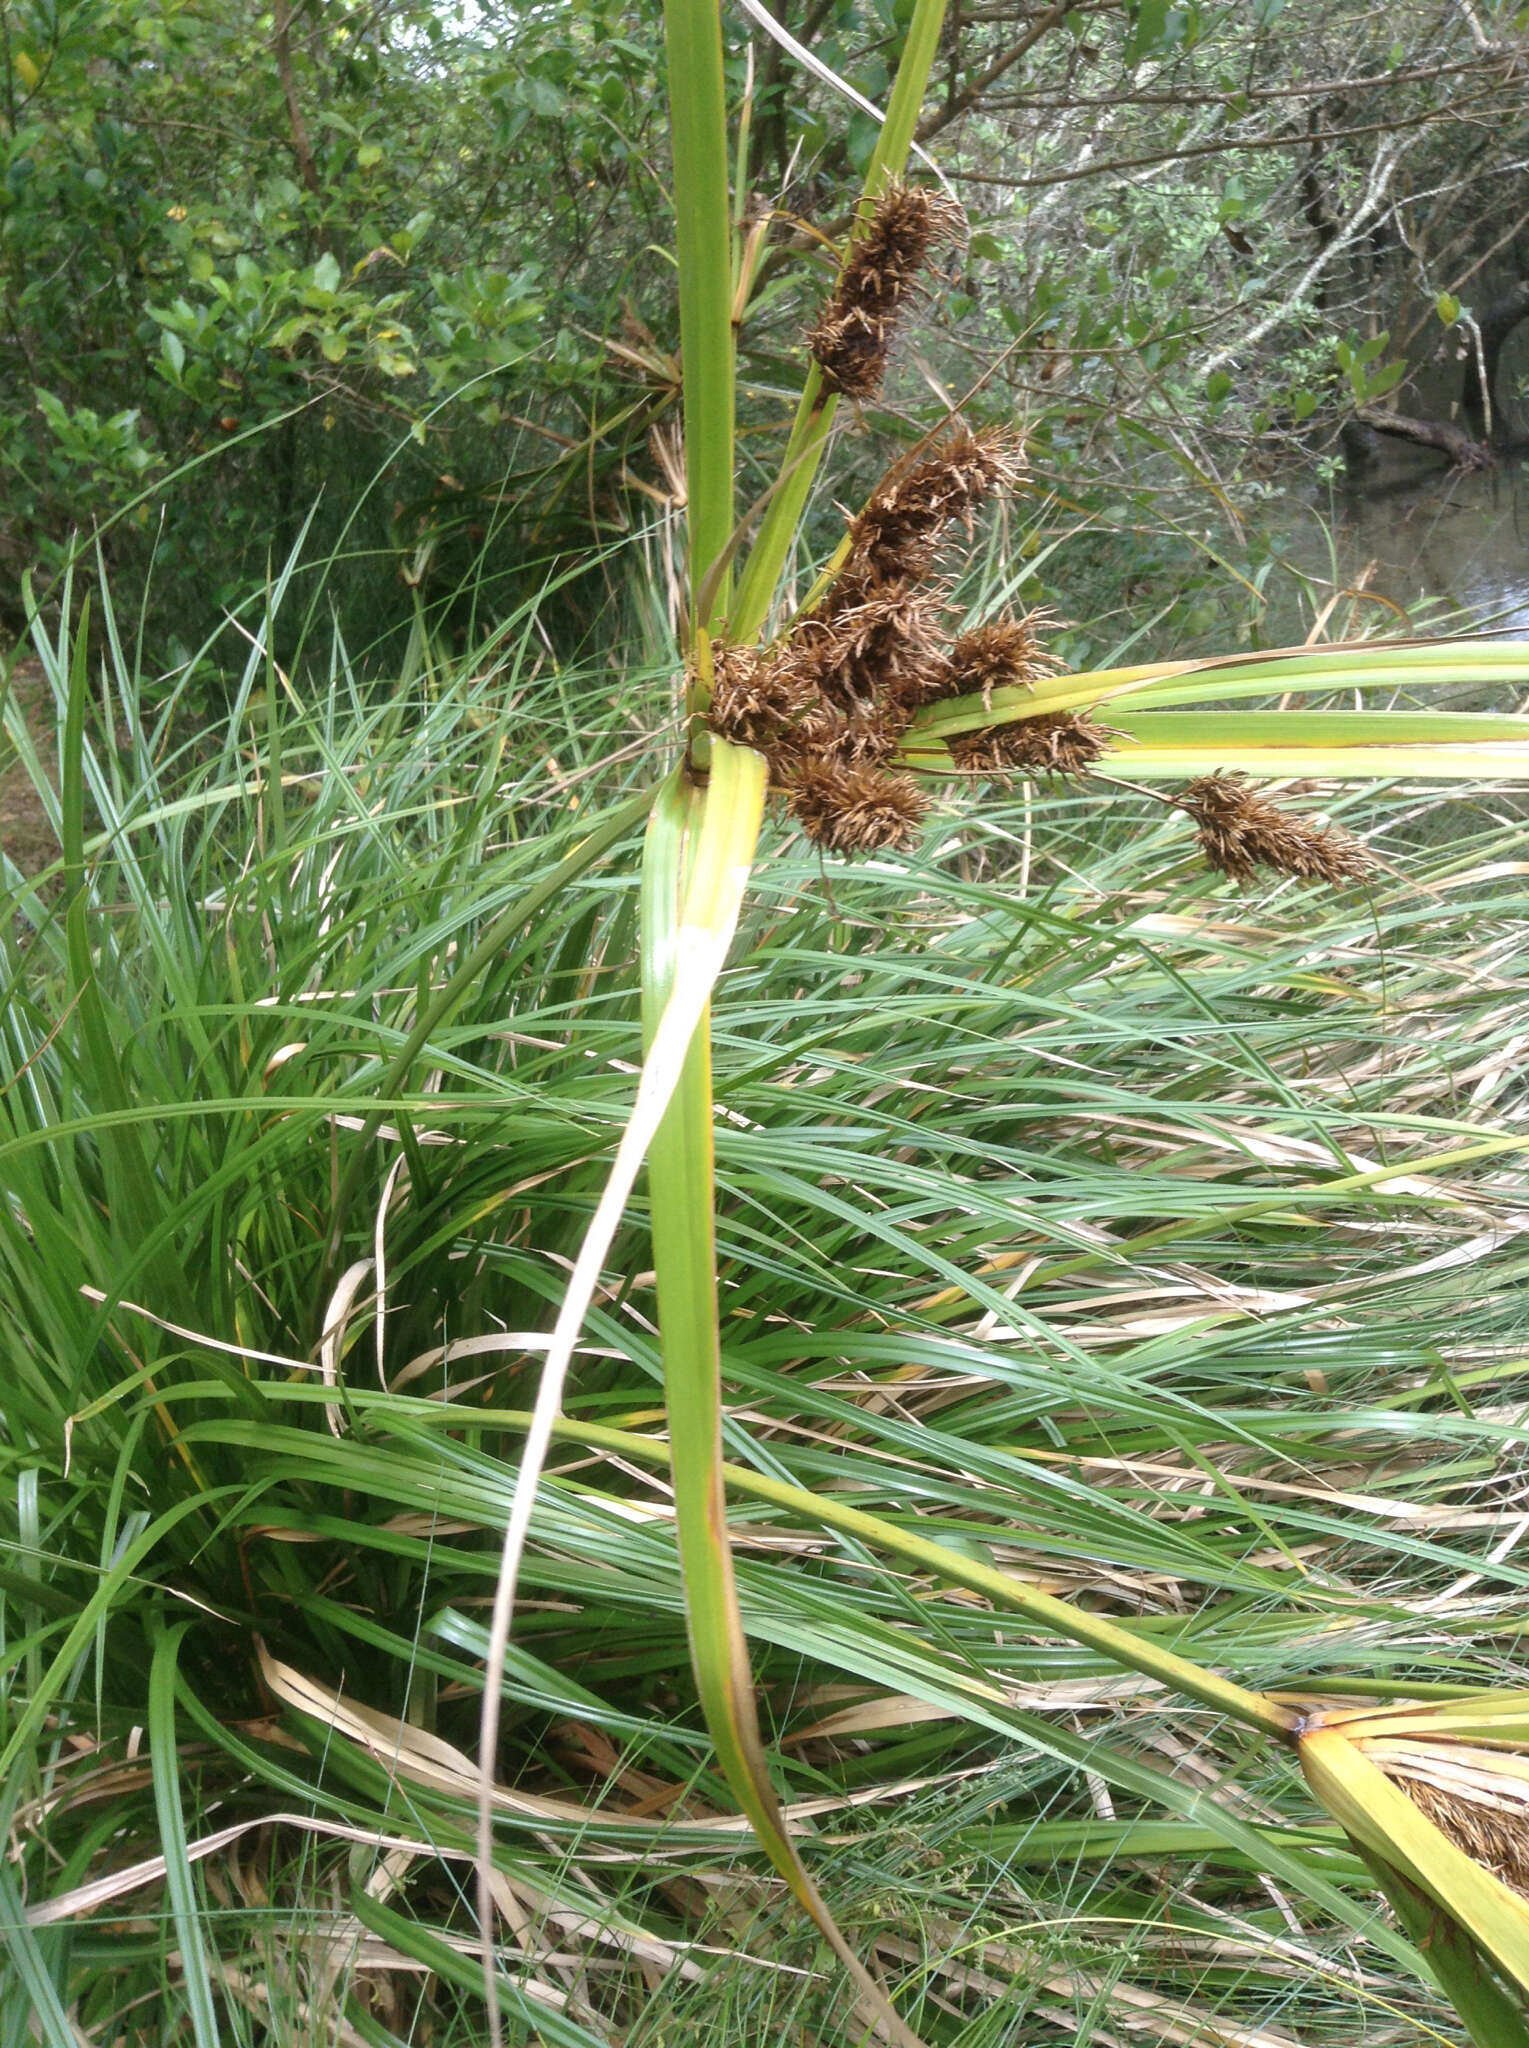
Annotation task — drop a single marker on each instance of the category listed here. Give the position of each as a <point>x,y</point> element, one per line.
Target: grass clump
<point>1072,1214</point>
<point>350,1330</point>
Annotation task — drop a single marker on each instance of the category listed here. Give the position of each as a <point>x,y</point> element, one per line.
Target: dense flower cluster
<point>829,705</point>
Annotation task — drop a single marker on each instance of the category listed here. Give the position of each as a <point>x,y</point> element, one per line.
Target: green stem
<point>692,837</point>
<point>1137,1653</point>
<point>815,413</point>
<point>1491,2017</point>
<point>703,247</point>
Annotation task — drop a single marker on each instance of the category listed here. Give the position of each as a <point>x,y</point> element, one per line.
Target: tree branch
<point>970,94</point>
<point>281,49</point>
<point>1386,160</point>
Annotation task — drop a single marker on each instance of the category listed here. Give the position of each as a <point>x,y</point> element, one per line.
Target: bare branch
<point>1381,172</point>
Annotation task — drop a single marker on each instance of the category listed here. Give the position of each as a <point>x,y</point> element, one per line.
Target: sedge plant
<point>1089,1233</point>
<point>851,695</point>
<point>355,924</point>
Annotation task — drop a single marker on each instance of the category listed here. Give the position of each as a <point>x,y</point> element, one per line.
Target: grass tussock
<point>1048,1186</point>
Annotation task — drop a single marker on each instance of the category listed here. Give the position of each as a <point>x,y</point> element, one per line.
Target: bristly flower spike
<point>894,538</point>
<point>759,700</point>
<point>852,337</point>
<point>1064,743</point>
<point>1240,830</point>
<point>857,809</point>
<point>1005,654</point>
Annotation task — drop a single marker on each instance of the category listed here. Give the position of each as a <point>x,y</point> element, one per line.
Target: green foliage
<point>951,1093</point>
<point>314,1106</point>
<point>402,265</point>
<point>1368,377</point>
<point>278,253</point>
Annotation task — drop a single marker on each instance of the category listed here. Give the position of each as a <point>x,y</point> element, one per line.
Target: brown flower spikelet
<point>864,738</point>
<point>756,701</point>
<point>857,809</point>
<point>894,538</point>
<point>1497,1840</point>
<point>827,707</point>
<point>851,337</point>
<point>932,681</point>
<point>864,638</point>
<point>1004,654</point>
<point>1240,830</point>
<point>1066,743</point>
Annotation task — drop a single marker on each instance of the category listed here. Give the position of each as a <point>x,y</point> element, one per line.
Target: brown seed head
<point>906,222</point>
<point>853,334</point>
<point>1495,1837</point>
<point>863,738</point>
<point>851,349</point>
<point>857,809</point>
<point>1066,743</point>
<point>755,700</point>
<point>894,538</point>
<point>865,638</point>
<point>930,683</point>
<point>1003,655</point>
<point>1240,830</point>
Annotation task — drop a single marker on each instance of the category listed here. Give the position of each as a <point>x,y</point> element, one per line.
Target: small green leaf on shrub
<point>1384,379</point>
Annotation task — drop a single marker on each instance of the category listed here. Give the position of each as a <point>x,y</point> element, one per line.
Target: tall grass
<point>860,680</point>
<point>1096,1289</point>
<point>1076,1215</point>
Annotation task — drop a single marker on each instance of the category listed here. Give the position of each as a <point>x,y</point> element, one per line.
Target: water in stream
<point>1450,551</point>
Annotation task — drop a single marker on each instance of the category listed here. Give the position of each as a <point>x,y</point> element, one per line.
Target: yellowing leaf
<point>1159,742</point>
<point>1382,1819</point>
<point>1504,761</point>
<point>683,865</point>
